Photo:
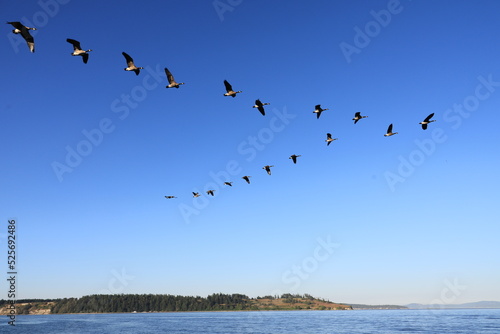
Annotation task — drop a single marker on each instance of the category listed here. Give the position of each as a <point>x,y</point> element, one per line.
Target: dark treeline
<point>161,303</point>
<point>151,303</point>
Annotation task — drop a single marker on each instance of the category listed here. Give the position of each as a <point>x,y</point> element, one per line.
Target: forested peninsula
<point>125,303</point>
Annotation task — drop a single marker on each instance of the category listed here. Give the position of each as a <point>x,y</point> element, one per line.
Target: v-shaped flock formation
<point>23,30</point>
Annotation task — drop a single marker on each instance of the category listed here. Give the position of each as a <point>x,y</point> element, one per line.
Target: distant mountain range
<point>482,304</point>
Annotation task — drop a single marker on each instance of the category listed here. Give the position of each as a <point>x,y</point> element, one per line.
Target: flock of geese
<point>19,28</point>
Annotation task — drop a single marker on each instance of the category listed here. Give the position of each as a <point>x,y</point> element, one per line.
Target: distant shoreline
<point>217,302</point>
<point>230,311</point>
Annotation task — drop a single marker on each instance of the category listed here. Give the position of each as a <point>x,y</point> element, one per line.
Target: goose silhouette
<point>20,28</point>
<point>229,90</point>
<point>268,169</point>
<point>357,117</point>
<point>329,139</point>
<point>260,106</point>
<point>294,158</point>
<point>130,64</point>
<point>426,121</point>
<point>78,51</point>
<point>318,110</point>
<point>171,81</point>
<point>389,131</point>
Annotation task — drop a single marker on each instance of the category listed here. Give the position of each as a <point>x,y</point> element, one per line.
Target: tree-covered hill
<point>170,303</point>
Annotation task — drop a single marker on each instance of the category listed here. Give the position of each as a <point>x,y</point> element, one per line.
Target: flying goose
<point>260,106</point>
<point>170,197</point>
<point>426,121</point>
<point>294,158</point>
<point>329,139</point>
<point>196,194</point>
<point>228,184</point>
<point>357,117</point>
<point>268,169</point>
<point>210,192</point>
<point>389,131</point>
<point>130,64</point>
<point>246,178</point>
<point>25,32</point>
<point>318,110</point>
<point>77,50</point>
<point>171,80</point>
<point>229,90</point>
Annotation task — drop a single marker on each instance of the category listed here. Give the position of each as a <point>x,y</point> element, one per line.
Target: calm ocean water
<point>286,322</point>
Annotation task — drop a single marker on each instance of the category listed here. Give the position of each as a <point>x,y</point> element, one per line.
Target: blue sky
<point>368,219</point>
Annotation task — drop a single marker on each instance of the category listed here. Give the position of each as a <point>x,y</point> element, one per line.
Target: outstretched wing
<point>170,77</point>
<point>428,118</point>
<point>76,44</point>
<point>31,44</point>
<point>16,25</point>
<point>228,86</point>
<point>28,38</point>
<point>357,117</point>
<point>389,129</point>
<point>129,59</point>
<point>260,107</point>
